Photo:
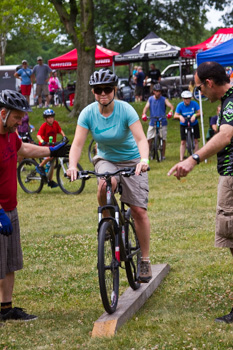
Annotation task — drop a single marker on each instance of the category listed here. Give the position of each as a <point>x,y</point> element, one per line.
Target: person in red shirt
<point>13,107</point>
<point>49,129</point>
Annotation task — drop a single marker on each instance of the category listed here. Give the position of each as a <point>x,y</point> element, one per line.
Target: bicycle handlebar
<point>86,174</point>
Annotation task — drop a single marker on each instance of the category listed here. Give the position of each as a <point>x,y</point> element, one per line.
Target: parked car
<point>125,90</point>
<point>170,76</point>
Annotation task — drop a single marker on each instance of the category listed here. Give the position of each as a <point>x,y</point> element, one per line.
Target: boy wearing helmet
<point>187,108</point>
<point>116,128</point>
<point>49,129</point>
<point>13,107</point>
<point>157,105</point>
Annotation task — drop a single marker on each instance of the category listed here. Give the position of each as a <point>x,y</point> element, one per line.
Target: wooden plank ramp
<point>129,303</point>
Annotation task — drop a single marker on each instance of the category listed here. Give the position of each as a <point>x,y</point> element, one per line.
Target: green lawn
<point>59,280</point>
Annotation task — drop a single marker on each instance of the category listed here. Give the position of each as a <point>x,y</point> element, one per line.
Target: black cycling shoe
<point>227,318</point>
<point>18,314</point>
<point>52,184</point>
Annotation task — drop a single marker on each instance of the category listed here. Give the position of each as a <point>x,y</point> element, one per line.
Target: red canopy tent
<point>103,58</point>
<point>219,37</point>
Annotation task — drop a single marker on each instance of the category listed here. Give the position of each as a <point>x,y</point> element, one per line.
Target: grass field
<point>59,280</point>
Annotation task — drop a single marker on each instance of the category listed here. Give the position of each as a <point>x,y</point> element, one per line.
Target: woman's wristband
<point>144,160</point>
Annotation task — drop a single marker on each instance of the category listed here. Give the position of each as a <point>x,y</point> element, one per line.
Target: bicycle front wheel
<point>108,268</point>
<point>158,148</point>
<point>189,142</point>
<point>28,178</point>
<point>133,252</point>
<point>152,149</point>
<point>67,186</point>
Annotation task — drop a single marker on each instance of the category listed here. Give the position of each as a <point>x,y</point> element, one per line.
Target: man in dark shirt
<point>140,76</point>
<point>155,76</point>
<point>212,81</point>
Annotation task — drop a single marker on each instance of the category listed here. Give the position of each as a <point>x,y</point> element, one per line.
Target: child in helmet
<point>48,129</point>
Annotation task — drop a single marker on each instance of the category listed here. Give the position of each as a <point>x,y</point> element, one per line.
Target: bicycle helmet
<point>186,94</point>
<point>103,77</point>
<point>11,99</point>
<point>157,87</point>
<point>49,113</point>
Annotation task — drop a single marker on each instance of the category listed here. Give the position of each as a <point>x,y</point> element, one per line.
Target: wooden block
<point>129,303</point>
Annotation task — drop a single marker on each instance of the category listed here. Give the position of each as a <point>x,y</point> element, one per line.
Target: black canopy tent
<point>152,47</point>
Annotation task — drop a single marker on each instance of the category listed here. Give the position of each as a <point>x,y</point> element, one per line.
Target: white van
<point>9,81</point>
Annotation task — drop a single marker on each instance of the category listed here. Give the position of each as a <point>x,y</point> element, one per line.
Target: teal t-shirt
<point>115,140</point>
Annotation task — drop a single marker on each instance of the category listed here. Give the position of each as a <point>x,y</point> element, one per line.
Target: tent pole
<point>202,121</point>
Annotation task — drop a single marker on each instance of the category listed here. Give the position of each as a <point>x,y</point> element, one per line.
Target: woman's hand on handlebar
<point>72,173</point>
<point>142,166</point>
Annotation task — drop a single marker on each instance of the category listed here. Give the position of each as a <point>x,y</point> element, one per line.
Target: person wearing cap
<point>184,109</point>
<point>24,74</point>
<point>157,105</point>
<point>13,106</point>
<point>41,73</point>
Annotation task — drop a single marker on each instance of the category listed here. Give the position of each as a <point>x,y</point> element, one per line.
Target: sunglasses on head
<point>107,90</point>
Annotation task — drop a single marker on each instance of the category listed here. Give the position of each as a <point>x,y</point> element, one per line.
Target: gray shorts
<point>224,213</point>
<point>42,88</point>
<point>135,188</point>
<point>151,132</point>
<point>11,258</point>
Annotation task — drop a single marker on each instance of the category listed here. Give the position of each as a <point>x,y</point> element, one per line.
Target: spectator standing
<point>54,86</point>
<point>41,73</point>
<point>155,76</point>
<point>214,120</point>
<point>139,76</point>
<point>13,106</point>
<point>183,110</point>
<point>157,105</point>
<point>24,74</point>
<point>212,81</point>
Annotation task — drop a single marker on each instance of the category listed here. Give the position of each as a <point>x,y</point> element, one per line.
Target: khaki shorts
<point>151,132</point>
<point>135,188</point>
<point>11,258</point>
<point>42,89</point>
<point>224,213</point>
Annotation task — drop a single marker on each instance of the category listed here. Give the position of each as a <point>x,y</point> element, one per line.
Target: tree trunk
<point>2,49</point>
<point>83,38</point>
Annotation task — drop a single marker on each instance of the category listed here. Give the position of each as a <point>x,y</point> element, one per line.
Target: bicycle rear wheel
<point>28,178</point>
<point>133,252</point>
<point>158,150</point>
<point>92,150</point>
<point>108,268</point>
<point>67,186</point>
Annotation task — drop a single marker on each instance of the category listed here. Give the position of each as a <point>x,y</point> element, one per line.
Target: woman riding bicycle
<point>116,128</point>
<point>184,109</point>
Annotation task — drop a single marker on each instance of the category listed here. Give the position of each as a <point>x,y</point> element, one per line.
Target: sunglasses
<point>107,90</point>
<point>199,86</point>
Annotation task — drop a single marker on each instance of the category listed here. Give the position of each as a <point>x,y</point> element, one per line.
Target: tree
<point>78,20</point>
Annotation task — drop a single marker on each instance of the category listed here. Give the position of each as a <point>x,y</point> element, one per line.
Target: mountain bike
<point>32,182</point>
<point>156,148</point>
<point>117,242</point>
<point>189,134</point>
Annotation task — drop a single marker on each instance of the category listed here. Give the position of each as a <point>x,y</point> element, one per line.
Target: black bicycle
<point>117,242</point>
<point>31,181</point>
<point>156,148</point>
<point>189,134</point>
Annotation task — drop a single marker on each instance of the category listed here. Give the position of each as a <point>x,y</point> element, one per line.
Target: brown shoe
<point>145,273</point>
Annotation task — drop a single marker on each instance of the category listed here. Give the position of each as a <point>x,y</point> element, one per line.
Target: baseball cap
<point>24,61</point>
<point>39,58</point>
